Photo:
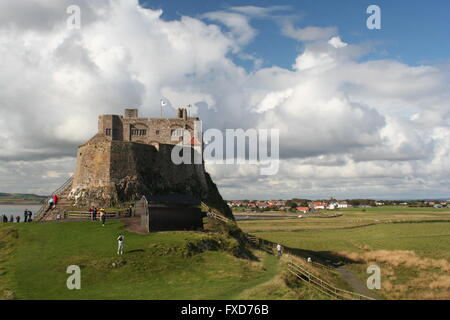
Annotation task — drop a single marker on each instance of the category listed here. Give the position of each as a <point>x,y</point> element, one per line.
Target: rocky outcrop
<point>111,172</point>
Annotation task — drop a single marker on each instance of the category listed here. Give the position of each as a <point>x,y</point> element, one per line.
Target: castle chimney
<point>131,113</point>
<point>184,113</point>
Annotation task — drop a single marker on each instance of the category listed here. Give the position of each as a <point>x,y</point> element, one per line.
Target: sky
<point>413,32</point>
<point>361,113</point>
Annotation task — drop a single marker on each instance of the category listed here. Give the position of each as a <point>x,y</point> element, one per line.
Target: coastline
<point>21,203</point>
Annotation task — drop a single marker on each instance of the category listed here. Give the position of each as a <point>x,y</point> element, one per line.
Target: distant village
<point>305,205</point>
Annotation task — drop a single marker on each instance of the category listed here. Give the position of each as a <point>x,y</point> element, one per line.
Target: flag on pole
<point>163,103</point>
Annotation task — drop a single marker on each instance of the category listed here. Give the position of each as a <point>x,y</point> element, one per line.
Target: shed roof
<point>173,199</point>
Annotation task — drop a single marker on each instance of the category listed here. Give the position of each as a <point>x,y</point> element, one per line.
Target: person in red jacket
<point>55,200</point>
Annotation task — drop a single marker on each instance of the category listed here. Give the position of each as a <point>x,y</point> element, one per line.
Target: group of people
<point>5,218</point>
<point>27,214</point>
<point>93,213</point>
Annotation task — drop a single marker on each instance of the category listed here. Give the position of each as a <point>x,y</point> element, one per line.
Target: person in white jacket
<point>120,242</point>
<point>279,250</point>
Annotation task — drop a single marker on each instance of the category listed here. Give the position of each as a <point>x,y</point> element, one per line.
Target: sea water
<point>17,210</point>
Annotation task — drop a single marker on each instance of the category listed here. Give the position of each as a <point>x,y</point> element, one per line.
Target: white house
<point>342,205</point>
<point>332,205</point>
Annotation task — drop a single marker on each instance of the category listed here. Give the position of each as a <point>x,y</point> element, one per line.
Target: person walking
<point>18,219</point>
<point>5,219</point>
<point>51,203</point>
<point>94,213</point>
<point>102,216</point>
<point>120,244</point>
<point>55,199</point>
<point>11,218</point>
<point>25,215</point>
<point>29,216</point>
<point>279,250</point>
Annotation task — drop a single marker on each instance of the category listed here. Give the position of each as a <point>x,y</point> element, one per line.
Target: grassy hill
<point>20,198</point>
<point>163,265</point>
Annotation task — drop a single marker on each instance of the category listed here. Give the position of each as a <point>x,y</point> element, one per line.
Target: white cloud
<point>307,33</point>
<point>337,42</point>
<point>260,12</point>
<point>273,99</point>
<point>347,126</point>
<point>237,23</point>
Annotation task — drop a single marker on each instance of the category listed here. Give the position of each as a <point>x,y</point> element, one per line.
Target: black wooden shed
<point>170,212</point>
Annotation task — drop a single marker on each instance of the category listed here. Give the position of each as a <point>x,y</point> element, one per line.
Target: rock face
<point>109,172</point>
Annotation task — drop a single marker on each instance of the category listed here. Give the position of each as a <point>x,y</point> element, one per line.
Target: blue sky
<point>413,32</point>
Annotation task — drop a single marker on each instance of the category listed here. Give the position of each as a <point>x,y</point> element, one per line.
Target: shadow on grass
<point>135,250</point>
<point>328,258</point>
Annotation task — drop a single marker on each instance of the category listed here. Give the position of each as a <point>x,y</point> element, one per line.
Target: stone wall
<point>93,163</point>
<point>109,172</point>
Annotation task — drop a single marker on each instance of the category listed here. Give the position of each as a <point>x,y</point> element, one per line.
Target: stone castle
<point>130,157</point>
<point>151,131</point>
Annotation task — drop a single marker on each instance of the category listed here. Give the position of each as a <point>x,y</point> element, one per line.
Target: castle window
<point>177,134</point>
<point>157,132</point>
<point>108,132</point>
<point>138,132</point>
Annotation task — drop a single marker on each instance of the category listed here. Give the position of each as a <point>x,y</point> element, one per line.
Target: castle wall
<point>103,163</point>
<point>140,169</point>
<point>110,172</point>
<point>129,160</point>
<point>93,163</point>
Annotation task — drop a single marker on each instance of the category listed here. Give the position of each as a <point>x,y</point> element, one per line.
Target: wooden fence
<point>73,214</point>
<point>295,269</point>
<point>323,286</point>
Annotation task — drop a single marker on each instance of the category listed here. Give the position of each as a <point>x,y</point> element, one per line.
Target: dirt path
<point>355,283</point>
<point>133,225</point>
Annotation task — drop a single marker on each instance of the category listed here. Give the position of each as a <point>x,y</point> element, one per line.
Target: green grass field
<point>413,252</point>
<point>34,258</point>
<point>350,218</point>
<point>427,239</point>
<point>411,246</point>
